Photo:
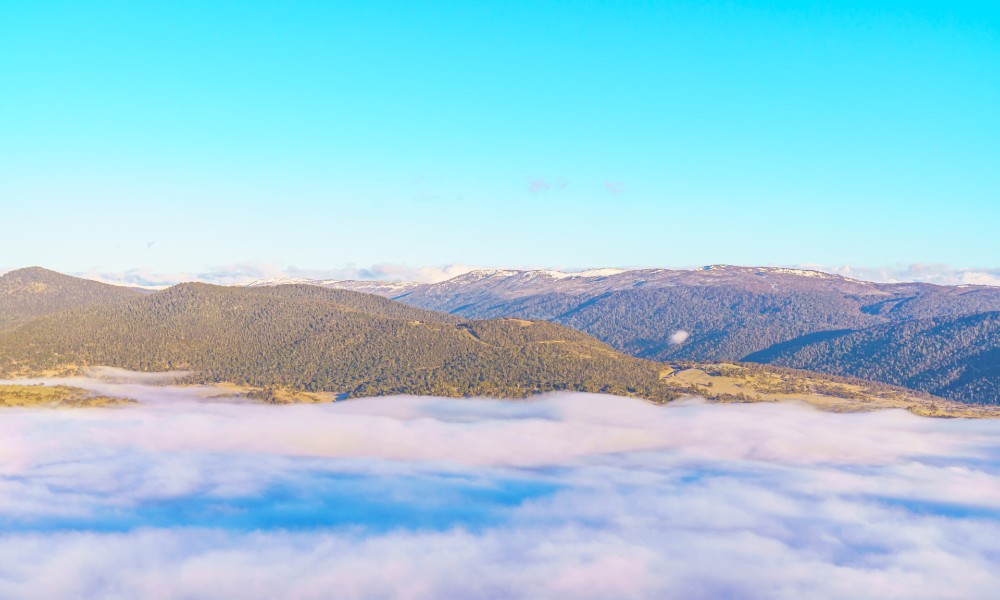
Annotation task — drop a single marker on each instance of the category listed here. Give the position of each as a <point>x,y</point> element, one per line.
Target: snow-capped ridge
<point>801,272</point>
<point>607,272</point>
<point>483,274</point>
<point>529,274</point>
<point>279,281</point>
<point>535,279</point>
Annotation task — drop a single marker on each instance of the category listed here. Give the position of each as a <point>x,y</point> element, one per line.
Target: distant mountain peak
<point>607,272</point>
<point>34,291</point>
<point>33,273</point>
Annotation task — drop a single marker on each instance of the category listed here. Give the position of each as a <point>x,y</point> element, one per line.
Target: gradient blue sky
<point>182,135</point>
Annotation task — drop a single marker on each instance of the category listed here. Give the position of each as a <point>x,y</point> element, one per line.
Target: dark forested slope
<point>956,358</point>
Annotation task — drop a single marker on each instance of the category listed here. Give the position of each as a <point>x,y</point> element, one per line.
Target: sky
<point>567,495</point>
<point>183,136</point>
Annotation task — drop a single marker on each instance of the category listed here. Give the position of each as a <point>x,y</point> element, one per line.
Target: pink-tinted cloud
<point>636,501</point>
<point>615,187</point>
<point>940,274</point>
<point>538,186</point>
<point>243,273</point>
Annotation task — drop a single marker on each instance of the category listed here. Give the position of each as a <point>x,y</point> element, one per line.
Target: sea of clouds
<point>567,495</point>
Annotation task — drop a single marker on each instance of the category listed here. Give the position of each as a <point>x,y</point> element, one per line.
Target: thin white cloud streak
<point>242,273</point>
<point>685,501</point>
<point>936,273</point>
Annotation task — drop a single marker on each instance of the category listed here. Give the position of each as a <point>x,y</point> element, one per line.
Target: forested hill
<point>956,358</point>
<point>33,292</point>
<point>331,340</point>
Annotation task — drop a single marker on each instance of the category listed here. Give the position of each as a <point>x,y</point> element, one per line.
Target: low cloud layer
<point>241,273</point>
<point>940,274</point>
<point>571,495</point>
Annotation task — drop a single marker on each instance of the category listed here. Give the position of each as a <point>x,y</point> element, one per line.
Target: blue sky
<point>185,135</point>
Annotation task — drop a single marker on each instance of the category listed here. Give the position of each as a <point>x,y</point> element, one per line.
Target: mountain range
<point>791,317</point>
<point>511,333</point>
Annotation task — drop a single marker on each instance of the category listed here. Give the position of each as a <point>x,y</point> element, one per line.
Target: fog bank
<point>568,495</point>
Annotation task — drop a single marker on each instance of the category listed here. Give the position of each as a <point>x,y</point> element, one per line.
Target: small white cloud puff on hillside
<point>679,337</point>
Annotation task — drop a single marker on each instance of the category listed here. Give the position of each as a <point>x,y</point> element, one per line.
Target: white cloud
<point>937,273</point>
<point>981,277</point>
<point>678,337</point>
<point>570,495</point>
<point>239,273</point>
<point>395,272</point>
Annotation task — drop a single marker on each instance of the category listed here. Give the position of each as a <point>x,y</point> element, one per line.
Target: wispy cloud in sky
<point>246,272</point>
<point>538,186</point>
<point>541,185</point>
<point>615,187</point>
<point>571,495</point>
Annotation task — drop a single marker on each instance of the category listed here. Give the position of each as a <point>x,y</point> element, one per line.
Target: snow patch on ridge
<point>280,281</point>
<point>535,273</point>
<point>801,272</point>
<point>599,272</point>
